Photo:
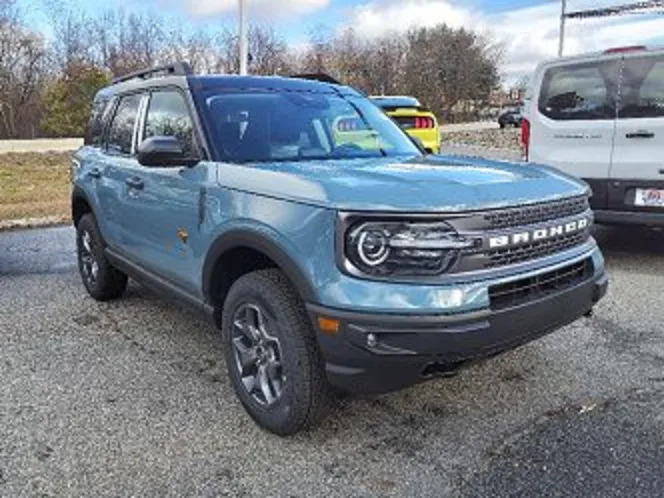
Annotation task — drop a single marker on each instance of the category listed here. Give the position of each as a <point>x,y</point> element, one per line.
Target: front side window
<point>291,126</point>
<point>168,116</point>
<point>642,88</point>
<point>585,91</point>
<point>121,131</point>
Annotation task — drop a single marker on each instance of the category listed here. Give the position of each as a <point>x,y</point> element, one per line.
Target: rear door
<point>572,121</point>
<point>637,165</point>
<point>115,164</point>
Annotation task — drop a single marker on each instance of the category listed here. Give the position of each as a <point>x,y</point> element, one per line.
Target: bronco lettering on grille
<point>518,238</point>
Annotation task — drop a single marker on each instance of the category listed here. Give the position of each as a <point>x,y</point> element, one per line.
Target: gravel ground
<point>131,398</point>
<point>509,138</point>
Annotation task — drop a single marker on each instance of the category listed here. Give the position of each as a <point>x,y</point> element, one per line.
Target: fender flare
<point>78,193</point>
<point>250,239</point>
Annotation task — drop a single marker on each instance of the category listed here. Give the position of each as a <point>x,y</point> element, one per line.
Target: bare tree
<point>451,70</point>
<point>22,67</point>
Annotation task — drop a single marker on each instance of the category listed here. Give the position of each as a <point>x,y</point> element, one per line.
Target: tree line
<point>47,83</point>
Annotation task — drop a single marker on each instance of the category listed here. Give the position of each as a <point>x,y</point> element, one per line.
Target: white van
<point>601,117</point>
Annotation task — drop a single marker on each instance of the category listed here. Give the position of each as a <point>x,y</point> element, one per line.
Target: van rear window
<point>584,91</point>
<point>642,91</point>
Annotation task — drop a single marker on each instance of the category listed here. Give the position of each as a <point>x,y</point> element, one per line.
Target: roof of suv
<point>157,77</point>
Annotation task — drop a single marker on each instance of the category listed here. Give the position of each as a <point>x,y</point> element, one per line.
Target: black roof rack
<point>175,69</point>
<point>325,78</point>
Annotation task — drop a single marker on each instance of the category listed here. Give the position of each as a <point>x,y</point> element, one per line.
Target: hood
<point>420,184</point>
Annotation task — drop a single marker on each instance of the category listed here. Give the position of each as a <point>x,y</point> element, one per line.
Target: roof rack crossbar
<point>174,69</point>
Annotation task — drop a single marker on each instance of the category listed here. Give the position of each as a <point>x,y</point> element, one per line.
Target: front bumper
<point>629,218</point>
<point>412,348</point>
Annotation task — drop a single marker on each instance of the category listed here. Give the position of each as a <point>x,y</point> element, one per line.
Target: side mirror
<point>163,151</point>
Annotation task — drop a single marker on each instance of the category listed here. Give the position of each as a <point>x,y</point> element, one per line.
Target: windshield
<point>291,126</point>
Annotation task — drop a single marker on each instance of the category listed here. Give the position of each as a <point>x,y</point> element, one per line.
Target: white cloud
<point>375,17</point>
<point>529,35</point>
<point>266,9</point>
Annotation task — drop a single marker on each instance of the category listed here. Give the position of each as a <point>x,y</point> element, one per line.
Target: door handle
<point>135,182</point>
<point>640,134</point>
<point>94,173</point>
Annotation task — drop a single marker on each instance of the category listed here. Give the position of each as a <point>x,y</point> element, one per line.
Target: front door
<point>164,211</point>
<point>637,163</point>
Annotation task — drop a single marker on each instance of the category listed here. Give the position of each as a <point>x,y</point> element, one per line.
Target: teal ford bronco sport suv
<point>328,260</point>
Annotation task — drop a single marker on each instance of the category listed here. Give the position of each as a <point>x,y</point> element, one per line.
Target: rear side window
<point>95,130</point>
<point>642,89</point>
<point>121,131</point>
<point>582,91</point>
<point>168,116</point>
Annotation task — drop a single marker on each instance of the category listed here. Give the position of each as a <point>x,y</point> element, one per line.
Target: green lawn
<point>35,185</point>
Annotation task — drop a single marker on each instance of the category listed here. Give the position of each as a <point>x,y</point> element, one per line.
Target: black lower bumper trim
<point>629,218</point>
<point>375,353</point>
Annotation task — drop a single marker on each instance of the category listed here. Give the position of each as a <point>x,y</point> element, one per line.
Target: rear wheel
<point>102,281</point>
<point>272,354</point>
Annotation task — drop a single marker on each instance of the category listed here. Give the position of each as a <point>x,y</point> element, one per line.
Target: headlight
<point>390,248</point>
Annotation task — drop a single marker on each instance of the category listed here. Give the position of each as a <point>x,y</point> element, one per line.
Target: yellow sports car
<point>418,121</point>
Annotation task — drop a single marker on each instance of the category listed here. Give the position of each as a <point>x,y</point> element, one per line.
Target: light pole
<point>563,14</point>
<point>244,46</point>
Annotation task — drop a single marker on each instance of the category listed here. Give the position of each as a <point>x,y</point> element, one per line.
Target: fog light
<point>372,340</point>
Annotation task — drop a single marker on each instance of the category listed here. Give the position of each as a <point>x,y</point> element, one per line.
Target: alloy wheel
<point>89,265</point>
<point>257,354</point>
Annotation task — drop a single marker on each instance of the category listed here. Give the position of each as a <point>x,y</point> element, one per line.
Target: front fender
<point>266,241</point>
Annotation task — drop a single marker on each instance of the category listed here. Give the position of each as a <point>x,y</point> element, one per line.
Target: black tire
<point>502,125</point>
<point>299,389</point>
<point>105,282</point>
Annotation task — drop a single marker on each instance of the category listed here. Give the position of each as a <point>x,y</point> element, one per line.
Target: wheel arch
<point>246,242</point>
<point>80,205</point>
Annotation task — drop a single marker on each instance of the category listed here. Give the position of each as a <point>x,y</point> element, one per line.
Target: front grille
<point>511,294</point>
<point>534,250</point>
<point>537,213</point>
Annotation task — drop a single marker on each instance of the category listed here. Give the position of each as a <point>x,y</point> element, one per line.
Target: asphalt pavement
<point>130,398</point>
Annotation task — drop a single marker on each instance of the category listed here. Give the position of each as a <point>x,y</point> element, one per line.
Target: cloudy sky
<point>528,29</point>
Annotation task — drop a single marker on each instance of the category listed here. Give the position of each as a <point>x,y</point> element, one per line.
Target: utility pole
<point>563,15</point>
<point>635,7</point>
<point>244,45</point>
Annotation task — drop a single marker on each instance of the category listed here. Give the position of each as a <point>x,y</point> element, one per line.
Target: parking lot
<point>131,398</point>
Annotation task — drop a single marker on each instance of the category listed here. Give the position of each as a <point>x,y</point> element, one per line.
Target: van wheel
<point>272,355</point>
<point>102,281</point>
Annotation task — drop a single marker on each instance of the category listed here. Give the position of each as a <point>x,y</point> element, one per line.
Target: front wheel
<point>272,354</point>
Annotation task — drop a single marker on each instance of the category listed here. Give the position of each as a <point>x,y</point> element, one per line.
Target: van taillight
<point>525,138</point>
